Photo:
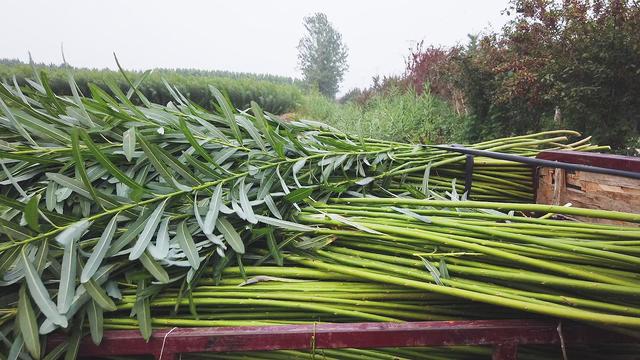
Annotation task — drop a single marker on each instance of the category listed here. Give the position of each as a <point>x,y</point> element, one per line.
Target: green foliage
<point>555,65</point>
<point>322,55</point>
<point>396,115</point>
<point>276,95</point>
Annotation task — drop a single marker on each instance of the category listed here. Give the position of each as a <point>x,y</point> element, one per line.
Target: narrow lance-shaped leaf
<point>74,231</point>
<point>42,256</point>
<point>154,268</point>
<point>99,251</point>
<point>96,322</point>
<point>13,181</point>
<point>272,206</point>
<point>74,339</point>
<point>214,208</point>
<point>143,311</point>
<point>16,349</point>
<point>296,168</point>
<point>272,244</point>
<point>96,292</point>
<point>147,233</point>
<point>161,248</point>
<point>244,203</point>
<point>231,235</point>
<point>432,270</point>
<point>104,161</point>
<point>39,293</point>
<point>263,125</point>
<point>228,113</point>
<point>288,225</point>
<point>129,143</point>
<point>132,231</point>
<point>31,214</point>
<point>154,156</point>
<point>21,130</point>
<point>194,143</point>
<point>187,245</point>
<point>67,285</point>
<point>80,166</point>
<point>28,324</point>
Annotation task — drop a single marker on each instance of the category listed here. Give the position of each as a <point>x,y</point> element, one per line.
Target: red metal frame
<point>609,161</point>
<point>505,335</point>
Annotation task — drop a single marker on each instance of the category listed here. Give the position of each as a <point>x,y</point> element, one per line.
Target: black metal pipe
<point>540,162</point>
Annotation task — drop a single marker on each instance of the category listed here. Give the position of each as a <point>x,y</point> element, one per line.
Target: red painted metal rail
<point>504,335</point>
<point>610,161</point>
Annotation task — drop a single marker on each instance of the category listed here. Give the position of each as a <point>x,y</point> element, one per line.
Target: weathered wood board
<point>589,190</point>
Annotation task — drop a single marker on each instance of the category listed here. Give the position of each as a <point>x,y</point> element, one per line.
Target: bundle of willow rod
<point>96,192</point>
<point>578,271</point>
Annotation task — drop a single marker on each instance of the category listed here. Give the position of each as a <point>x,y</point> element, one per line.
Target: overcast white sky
<point>237,35</point>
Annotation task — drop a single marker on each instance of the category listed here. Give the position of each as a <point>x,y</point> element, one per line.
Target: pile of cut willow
<point>115,215</point>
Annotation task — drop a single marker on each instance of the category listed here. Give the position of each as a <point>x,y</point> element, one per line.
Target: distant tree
<point>322,56</point>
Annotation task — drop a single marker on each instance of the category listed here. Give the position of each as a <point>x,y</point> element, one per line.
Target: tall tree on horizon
<point>322,56</point>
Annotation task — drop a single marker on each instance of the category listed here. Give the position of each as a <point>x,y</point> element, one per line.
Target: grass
<point>396,115</point>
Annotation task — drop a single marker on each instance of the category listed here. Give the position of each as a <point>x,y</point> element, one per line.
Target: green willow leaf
<point>42,256</point>
<point>183,236</point>
<point>129,143</point>
<point>194,143</point>
<point>80,165</point>
<point>132,231</point>
<point>227,110</point>
<point>74,339</point>
<point>244,203</point>
<point>297,166</point>
<point>39,293</point>
<point>28,324</point>
<point>214,209</point>
<point>73,232</point>
<point>299,194</point>
<point>155,158</point>
<point>93,288</point>
<point>110,166</point>
<point>133,88</point>
<point>274,250</point>
<point>73,184</point>
<point>161,248</point>
<point>268,132</point>
<point>435,273</point>
<point>67,285</point>
<point>99,295</point>
<point>31,214</point>
<point>231,235</point>
<point>99,250</point>
<point>142,309</point>
<point>21,130</point>
<point>8,258</point>
<point>16,348</point>
<point>147,233</point>
<point>56,352</point>
<point>288,225</point>
<point>155,269</point>
<point>96,323</point>
<point>272,206</point>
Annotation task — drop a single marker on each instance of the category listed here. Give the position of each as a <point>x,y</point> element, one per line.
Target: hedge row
<point>275,97</point>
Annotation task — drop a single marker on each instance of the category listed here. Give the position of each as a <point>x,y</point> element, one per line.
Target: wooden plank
<point>589,190</point>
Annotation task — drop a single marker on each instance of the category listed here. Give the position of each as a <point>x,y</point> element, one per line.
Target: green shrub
<point>396,115</point>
